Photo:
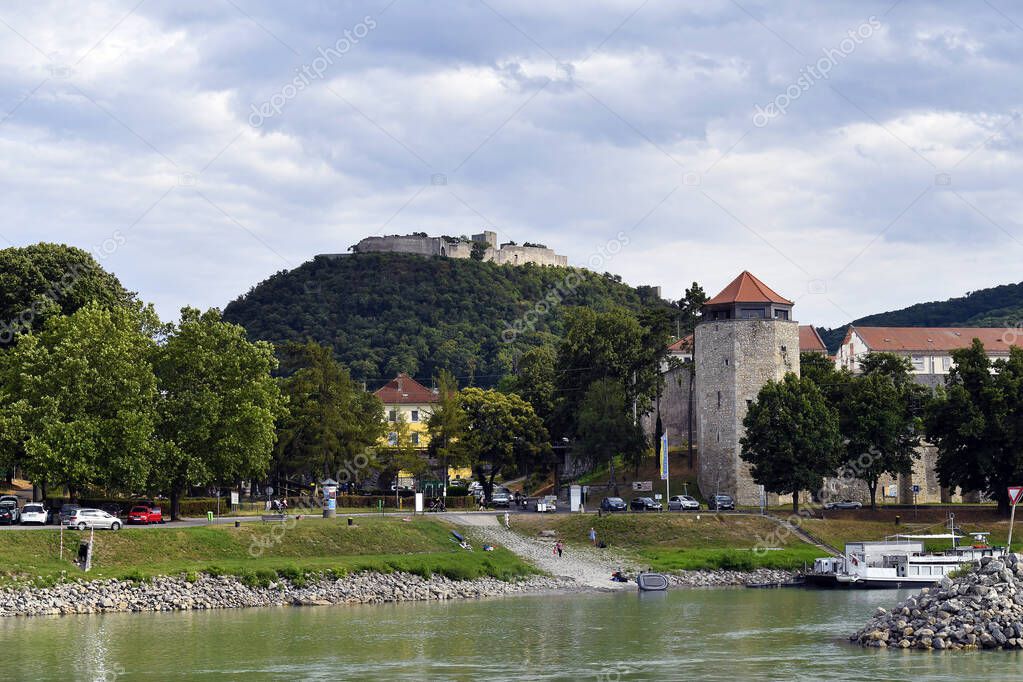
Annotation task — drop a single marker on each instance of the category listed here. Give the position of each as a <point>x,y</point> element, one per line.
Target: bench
<point>273,517</point>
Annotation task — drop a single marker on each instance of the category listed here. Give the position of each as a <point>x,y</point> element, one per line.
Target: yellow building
<point>405,398</point>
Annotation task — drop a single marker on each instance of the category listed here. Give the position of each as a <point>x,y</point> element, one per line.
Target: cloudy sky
<point>857,156</point>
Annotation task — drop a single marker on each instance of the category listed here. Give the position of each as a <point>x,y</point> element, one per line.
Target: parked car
<point>683,503</point>
<point>719,502</point>
<point>844,504</point>
<point>9,512</point>
<point>35,512</point>
<point>645,504</point>
<point>113,509</point>
<point>500,498</point>
<point>83,519</point>
<point>613,504</point>
<point>66,512</point>
<point>145,514</point>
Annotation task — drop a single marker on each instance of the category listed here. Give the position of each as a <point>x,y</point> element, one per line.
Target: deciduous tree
<point>792,438</point>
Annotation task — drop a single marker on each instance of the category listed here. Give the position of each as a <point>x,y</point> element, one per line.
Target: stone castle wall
<point>674,408</point>
<point>506,254</point>
<point>734,359</point>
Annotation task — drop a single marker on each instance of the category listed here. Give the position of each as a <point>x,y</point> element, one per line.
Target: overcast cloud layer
<point>857,156</point>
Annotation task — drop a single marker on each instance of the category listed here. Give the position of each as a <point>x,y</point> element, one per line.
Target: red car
<point>145,515</point>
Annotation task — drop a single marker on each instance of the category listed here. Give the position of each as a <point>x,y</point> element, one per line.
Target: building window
<point>749,404</point>
<point>392,416</point>
<point>726,362</point>
<point>918,363</point>
<point>415,439</point>
<point>719,400</point>
<point>392,438</point>
<point>781,314</point>
<point>752,313</point>
<point>415,415</point>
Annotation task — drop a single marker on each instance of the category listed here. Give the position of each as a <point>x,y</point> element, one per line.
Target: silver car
<point>683,503</point>
<point>83,519</point>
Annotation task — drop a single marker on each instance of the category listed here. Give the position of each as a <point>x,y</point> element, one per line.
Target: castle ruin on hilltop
<point>484,245</point>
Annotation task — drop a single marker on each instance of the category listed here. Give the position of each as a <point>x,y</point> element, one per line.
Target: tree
<point>331,419</point>
<point>534,381</point>
<point>792,438</point>
<point>43,280</point>
<point>612,345</point>
<point>821,370</point>
<point>85,396</point>
<point>606,427</point>
<point>401,454</point>
<point>217,406</point>
<point>690,307</point>
<point>880,428</point>
<point>976,423</point>
<point>502,433</point>
<point>446,424</point>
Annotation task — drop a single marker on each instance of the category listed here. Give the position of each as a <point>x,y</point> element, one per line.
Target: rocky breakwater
<point>726,578</point>
<point>202,592</point>
<point>982,609</point>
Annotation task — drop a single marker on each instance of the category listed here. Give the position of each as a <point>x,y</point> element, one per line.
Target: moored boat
<point>898,561</point>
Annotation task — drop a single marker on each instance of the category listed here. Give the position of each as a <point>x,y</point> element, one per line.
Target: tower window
<point>719,400</point>
<point>726,362</point>
<point>753,313</point>
<point>781,314</point>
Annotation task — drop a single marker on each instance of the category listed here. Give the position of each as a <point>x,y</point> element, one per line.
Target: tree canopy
<point>977,423</point>
<point>217,405</point>
<point>792,438</point>
<point>43,280</point>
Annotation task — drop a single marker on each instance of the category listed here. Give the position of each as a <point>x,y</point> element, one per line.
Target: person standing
<point>593,537</point>
<point>507,520</point>
<point>559,548</point>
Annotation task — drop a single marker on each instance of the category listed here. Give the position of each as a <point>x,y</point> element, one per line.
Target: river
<point>722,634</point>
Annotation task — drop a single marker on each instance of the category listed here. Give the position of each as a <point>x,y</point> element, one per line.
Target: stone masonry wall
<point>734,359</point>
<point>674,408</point>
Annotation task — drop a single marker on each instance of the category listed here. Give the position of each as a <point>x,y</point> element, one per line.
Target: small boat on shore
<point>652,582</point>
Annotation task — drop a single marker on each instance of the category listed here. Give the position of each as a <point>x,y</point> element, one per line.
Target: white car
<point>33,512</point>
<point>83,519</point>
<point>683,503</point>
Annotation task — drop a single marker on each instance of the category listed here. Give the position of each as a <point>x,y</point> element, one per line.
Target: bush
<point>214,571</point>
<point>191,577</point>
<point>457,572</point>
<point>422,571</point>
<point>135,576</point>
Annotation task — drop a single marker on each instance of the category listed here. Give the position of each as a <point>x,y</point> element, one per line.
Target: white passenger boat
<point>898,561</point>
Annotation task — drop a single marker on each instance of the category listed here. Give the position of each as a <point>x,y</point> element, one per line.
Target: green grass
<point>314,546</point>
<point>676,541</point>
<point>789,558</point>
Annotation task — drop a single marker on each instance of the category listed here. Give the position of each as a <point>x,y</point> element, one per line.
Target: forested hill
<point>386,313</point>
<point>994,307</point>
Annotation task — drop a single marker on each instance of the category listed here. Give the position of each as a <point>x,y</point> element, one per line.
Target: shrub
<point>191,577</point>
<point>214,571</point>
<point>135,576</point>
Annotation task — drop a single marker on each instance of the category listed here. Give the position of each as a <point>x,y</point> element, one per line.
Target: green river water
<point>723,634</point>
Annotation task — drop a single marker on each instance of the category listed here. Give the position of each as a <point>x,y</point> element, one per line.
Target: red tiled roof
<point>810,340</point>
<point>683,345</point>
<point>748,289</point>
<point>941,339</point>
<point>404,390</point>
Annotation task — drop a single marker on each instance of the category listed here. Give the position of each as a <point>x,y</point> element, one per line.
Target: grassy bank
<point>668,542</point>
<point>378,544</point>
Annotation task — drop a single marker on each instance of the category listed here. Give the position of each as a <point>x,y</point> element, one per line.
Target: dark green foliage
<point>43,280</point>
<point>385,313</point>
<point>994,307</point>
<point>792,437</point>
<point>977,423</point>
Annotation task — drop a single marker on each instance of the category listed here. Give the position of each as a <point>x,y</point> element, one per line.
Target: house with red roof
<point>405,399</point>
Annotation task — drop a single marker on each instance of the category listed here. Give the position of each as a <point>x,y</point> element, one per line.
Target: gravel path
<point>585,565</point>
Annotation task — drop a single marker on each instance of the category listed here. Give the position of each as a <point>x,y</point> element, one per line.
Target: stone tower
<point>746,337</point>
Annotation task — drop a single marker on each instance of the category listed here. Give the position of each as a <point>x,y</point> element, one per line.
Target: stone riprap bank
<point>980,610</point>
<point>228,592</point>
